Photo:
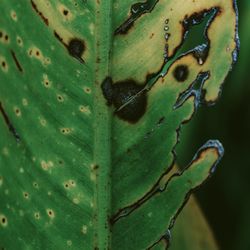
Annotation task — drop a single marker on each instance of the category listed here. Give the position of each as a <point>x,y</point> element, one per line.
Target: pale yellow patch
<point>26,195</point>
<point>84,229</point>
<point>17,111</point>
<point>92,28</point>
<point>50,213</point>
<point>3,64</point>
<point>85,109</point>
<point>69,184</point>
<point>87,90</point>
<point>35,185</point>
<point>13,15</point>
<point>46,82</point>
<point>69,242</point>
<point>60,98</point>
<point>76,200</point>
<point>36,53</point>
<point>4,37</point>
<point>19,41</point>
<point>25,102</point>
<point>46,165</point>
<point>43,122</point>
<point>65,131</point>
<point>3,220</point>
<point>37,215</point>
<point>65,12</point>
<point>5,151</point>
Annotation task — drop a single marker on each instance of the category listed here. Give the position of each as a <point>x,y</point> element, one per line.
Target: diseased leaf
<point>93,94</point>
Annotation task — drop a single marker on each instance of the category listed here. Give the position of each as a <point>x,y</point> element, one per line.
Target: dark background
<point>225,198</point>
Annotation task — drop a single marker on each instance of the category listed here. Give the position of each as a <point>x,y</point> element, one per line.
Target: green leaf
<point>92,94</point>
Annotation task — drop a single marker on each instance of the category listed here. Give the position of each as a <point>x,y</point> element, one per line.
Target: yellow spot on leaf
<point>85,109</point>
<point>17,111</point>
<point>37,215</point>
<point>60,98</point>
<point>76,201</point>
<point>5,151</point>
<point>25,102</point>
<point>3,64</point>
<point>35,185</point>
<point>92,28</point>
<point>84,229</point>
<point>4,37</point>
<point>69,242</point>
<point>65,12</point>
<point>50,213</point>
<point>3,220</point>
<point>25,195</point>
<point>69,184</point>
<point>43,122</point>
<point>13,15</point>
<point>65,131</point>
<point>87,90</point>
<point>46,82</point>
<point>19,41</point>
<point>36,53</point>
<point>46,165</point>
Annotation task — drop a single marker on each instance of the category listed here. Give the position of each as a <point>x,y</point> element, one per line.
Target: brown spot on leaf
<point>128,97</point>
<point>181,73</point>
<point>76,48</point>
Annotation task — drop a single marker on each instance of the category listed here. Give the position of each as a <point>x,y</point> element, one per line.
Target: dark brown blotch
<point>65,12</point>
<point>181,73</point>
<point>128,98</point>
<point>76,48</point>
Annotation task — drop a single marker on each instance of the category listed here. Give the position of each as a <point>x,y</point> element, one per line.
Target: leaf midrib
<point>102,125</point>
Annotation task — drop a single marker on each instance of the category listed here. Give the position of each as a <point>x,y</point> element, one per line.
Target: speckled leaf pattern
<point>92,98</point>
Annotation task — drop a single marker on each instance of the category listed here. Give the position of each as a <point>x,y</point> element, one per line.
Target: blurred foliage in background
<point>225,199</point>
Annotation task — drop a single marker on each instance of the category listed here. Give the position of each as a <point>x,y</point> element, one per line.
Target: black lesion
<point>127,97</point>
<point>76,48</point>
<point>8,123</point>
<point>181,72</point>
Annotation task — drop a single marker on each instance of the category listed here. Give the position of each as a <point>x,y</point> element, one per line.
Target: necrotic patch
<point>76,48</point>
<point>181,73</point>
<point>127,97</point>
